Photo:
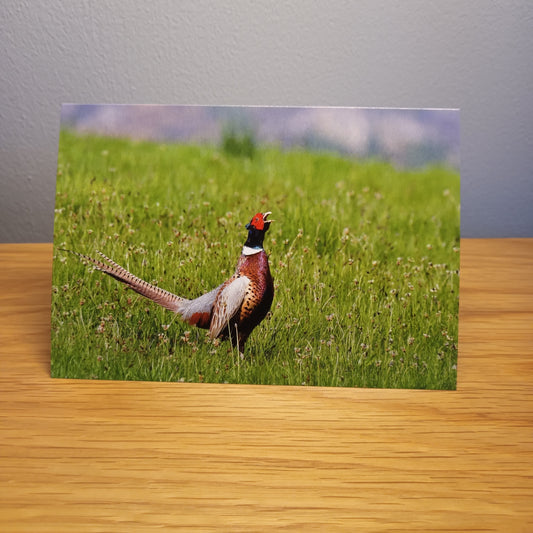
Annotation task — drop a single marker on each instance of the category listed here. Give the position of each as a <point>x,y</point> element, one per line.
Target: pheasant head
<point>257,227</point>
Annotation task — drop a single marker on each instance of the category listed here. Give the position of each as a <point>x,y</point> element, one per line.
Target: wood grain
<point>125,456</point>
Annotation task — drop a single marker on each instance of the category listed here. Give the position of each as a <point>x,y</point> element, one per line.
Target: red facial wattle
<point>258,222</point>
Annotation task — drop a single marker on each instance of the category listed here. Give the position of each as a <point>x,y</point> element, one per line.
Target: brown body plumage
<point>231,310</point>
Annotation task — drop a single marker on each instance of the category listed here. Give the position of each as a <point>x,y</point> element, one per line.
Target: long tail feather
<point>160,296</point>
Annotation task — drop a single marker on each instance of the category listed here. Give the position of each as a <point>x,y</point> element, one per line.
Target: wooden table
<point>122,456</point>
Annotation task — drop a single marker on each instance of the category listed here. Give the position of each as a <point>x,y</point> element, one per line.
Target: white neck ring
<point>246,250</point>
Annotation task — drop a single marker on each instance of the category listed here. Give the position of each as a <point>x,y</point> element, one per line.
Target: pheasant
<point>231,310</point>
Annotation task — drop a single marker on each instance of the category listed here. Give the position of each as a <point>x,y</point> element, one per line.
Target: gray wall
<point>475,55</point>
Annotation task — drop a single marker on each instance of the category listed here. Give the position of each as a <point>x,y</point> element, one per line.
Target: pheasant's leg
<point>242,340</point>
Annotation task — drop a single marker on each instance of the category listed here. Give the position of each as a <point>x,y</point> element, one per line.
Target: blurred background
<point>407,138</point>
<point>473,56</point>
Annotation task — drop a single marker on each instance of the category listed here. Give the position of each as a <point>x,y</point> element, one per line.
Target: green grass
<point>365,260</point>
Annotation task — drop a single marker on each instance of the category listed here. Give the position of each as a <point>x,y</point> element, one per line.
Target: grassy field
<point>365,259</point>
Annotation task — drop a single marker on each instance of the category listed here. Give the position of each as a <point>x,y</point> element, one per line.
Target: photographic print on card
<point>308,246</point>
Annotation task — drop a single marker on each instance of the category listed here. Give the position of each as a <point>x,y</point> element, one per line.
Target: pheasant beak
<point>265,215</point>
